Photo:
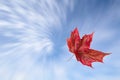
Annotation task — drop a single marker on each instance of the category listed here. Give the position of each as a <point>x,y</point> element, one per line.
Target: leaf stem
<point>70,58</point>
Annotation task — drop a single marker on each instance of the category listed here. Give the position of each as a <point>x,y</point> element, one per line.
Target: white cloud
<point>29,26</point>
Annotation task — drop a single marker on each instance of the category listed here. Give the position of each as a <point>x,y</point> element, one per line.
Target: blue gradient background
<point>33,37</point>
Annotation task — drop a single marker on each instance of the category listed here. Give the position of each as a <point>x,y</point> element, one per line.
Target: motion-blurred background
<point>33,37</point>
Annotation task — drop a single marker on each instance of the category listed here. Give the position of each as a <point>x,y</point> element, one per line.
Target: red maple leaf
<point>81,48</point>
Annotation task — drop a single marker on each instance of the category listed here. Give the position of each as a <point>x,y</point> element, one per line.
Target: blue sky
<point>33,37</point>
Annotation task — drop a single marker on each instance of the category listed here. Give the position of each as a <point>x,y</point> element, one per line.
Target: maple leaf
<point>81,49</point>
